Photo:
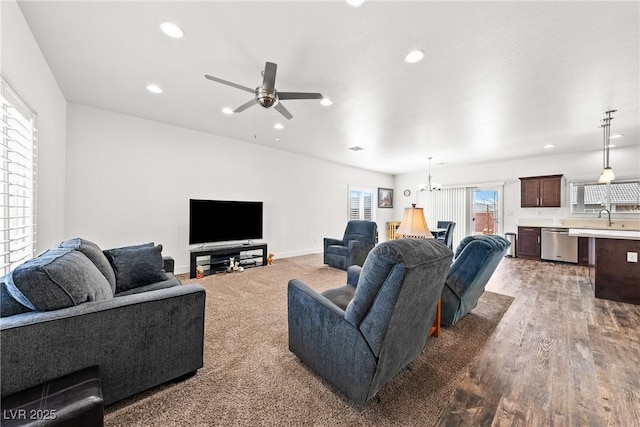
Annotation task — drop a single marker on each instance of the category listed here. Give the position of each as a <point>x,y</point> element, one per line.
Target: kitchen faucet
<point>608,213</point>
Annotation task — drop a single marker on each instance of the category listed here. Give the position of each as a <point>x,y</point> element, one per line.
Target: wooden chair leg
<point>435,328</point>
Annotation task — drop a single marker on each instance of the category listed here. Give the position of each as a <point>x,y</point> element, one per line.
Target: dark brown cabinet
<point>528,245</point>
<point>583,251</point>
<point>614,277</point>
<point>541,191</point>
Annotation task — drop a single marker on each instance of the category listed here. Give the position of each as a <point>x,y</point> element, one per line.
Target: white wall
<point>582,166</point>
<point>129,181</point>
<point>25,69</point>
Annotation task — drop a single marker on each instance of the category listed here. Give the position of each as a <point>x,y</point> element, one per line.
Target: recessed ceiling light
<point>619,135</point>
<point>154,88</point>
<point>355,3</point>
<point>227,110</point>
<point>326,102</point>
<point>172,30</point>
<point>414,56</point>
<point>549,146</point>
<point>611,145</point>
<point>278,126</point>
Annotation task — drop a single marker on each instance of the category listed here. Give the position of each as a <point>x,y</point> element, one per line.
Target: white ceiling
<point>499,81</point>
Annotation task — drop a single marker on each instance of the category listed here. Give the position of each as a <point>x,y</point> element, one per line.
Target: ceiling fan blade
<point>269,78</point>
<point>280,108</point>
<point>299,95</point>
<point>244,106</point>
<point>224,82</point>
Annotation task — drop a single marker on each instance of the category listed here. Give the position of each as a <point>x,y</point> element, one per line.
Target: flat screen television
<point>224,220</point>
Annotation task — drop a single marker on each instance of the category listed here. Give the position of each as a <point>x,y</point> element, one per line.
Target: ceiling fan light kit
<point>266,94</point>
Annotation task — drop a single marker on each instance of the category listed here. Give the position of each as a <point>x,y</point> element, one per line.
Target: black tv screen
<point>222,220</point>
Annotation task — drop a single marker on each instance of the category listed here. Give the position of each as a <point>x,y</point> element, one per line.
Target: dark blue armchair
<point>359,238</point>
<point>361,335</point>
<point>476,259</point>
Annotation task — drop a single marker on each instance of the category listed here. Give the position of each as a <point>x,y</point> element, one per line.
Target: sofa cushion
<point>136,266</point>
<point>8,304</point>
<point>60,277</point>
<point>169,283</point>
<point>341,296</point>
<point>94,253</point>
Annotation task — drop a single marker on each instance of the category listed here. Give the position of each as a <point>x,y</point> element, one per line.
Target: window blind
<point>18,155</point>
<point>448,204</point>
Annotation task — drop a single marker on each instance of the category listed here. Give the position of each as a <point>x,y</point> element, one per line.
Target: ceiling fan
<point>266,94</point>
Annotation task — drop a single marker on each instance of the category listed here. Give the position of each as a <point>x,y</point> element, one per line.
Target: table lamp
<point>413,224</point>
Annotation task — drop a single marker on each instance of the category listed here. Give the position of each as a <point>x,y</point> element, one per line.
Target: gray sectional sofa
<point>76,306</point>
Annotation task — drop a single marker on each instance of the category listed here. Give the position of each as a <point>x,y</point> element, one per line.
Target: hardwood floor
<point>558,357</point>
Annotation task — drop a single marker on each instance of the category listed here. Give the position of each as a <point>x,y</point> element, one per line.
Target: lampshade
<point>413,223</point>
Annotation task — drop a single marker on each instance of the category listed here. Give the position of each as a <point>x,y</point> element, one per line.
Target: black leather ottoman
<point>72,400</point>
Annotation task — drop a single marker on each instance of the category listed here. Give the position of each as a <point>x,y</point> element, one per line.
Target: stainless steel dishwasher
<point>557,245</point>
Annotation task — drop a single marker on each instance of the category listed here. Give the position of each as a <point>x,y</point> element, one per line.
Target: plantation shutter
<point>368,206</point>
<point>19,137</point>
<point>361,204</point>
<point>354,204</point>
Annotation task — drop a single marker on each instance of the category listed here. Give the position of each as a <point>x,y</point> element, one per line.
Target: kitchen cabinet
<point>541,191</point>
<point>528,244</point>
<point>613,275</point>
<point>583,251</point>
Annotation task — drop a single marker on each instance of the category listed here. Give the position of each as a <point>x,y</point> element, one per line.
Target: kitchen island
<point>614,269</point>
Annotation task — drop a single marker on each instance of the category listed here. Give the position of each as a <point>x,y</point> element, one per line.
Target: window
<point>619,197</point>
<point>18,169</point>
<point>361,204</point>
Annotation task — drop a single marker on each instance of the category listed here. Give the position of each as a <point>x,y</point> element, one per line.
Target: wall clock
<point>407,192</point>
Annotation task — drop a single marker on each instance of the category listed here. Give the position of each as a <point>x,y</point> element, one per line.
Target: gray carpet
<point>251,378</point>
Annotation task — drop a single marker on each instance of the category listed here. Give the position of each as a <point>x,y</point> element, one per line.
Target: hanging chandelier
<point>607,174</point>
<point>432,185</point>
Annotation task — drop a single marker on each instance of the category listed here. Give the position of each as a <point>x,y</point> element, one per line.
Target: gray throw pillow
<point>59,278</point>
<point>94,253</point>
<point>136,266</point>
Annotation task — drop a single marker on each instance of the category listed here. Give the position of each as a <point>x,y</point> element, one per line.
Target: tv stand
<point>217,257</point>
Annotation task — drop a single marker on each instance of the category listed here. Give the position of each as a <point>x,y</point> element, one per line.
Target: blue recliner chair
<point>476,258</point>
<point>359,238</point>
<point>361,335</point>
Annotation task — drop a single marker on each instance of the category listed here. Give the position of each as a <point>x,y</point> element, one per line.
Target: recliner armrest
<point>353,275</point>
<point>330,241</point>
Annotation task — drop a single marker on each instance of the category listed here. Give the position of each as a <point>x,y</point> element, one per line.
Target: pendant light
<point>607,174</point>
<point>434,185</point>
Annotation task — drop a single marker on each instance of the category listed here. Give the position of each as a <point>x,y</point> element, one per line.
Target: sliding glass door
<point>486,211</point>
